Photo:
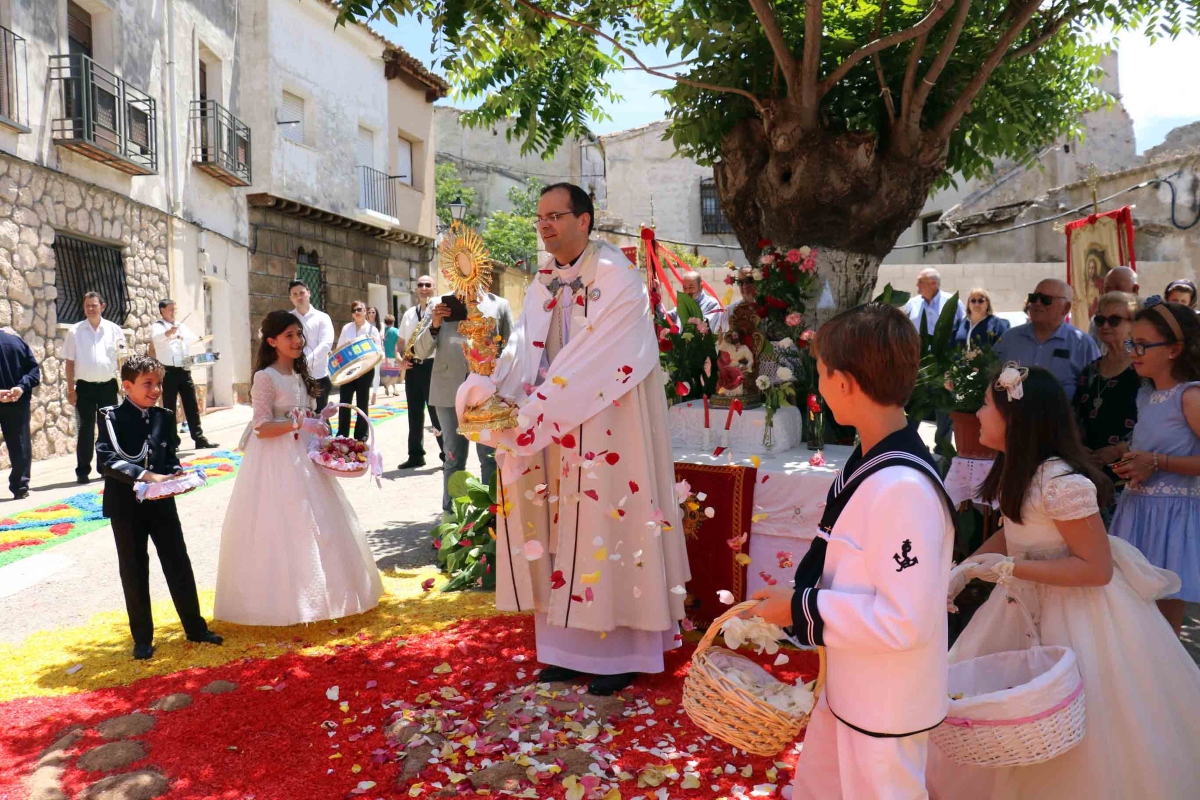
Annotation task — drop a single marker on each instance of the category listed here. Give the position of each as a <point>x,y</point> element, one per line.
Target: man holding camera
<point>442,341</point>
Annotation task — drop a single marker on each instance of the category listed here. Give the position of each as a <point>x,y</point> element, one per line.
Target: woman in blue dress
<point>980,325</point>
<point>1159,512</point>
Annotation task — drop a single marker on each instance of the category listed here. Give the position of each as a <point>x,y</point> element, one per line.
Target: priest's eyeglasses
<point>553,216</point>
<point>1140,348</point>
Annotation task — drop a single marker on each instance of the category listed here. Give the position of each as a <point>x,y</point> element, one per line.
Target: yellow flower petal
<point>590,577</point>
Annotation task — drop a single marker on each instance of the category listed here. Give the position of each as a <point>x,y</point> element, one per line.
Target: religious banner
<point>716,524</point>
<point>1095,245</point>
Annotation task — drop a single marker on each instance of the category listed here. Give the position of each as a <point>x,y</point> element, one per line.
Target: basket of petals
<point>344,456</point>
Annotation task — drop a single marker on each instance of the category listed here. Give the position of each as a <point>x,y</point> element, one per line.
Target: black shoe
<point>605,685</point>
<point>141,652</point>
<point>20,494</point>
<point>553,674</point>
<point>412,463</point>
<point>208,637</point>
<point>205,444</point>
<point>82,479</point>
<point>442,455</point>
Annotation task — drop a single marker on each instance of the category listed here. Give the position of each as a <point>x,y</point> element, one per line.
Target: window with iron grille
<point>308,269</point>
<point>84,267</point>
<point>712,219</point>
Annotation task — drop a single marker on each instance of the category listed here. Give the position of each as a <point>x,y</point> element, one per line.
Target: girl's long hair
<point>1039,426</point>
<point>273,325</point>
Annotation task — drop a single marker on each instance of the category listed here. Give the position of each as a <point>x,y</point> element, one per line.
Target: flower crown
<point>1011,379</point>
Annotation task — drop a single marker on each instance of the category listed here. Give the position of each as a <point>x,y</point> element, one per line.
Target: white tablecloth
<point>745,433</point>
<point>788,502</point>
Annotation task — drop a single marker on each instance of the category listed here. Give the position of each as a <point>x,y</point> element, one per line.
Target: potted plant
<point>967,380</point>
<point>938,352</point>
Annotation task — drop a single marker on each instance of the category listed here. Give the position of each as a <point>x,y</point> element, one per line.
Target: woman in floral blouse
<point>1106,400</point>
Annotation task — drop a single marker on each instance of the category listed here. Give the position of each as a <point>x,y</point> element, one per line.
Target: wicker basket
<point>731,713</point>
<point>1041,717</point>
<point>313,453</point>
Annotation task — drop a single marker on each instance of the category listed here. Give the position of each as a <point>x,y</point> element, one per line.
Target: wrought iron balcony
<point>14,82</point>
<point>220,143</point>
<point>104,118</point>
<point>377,191</point>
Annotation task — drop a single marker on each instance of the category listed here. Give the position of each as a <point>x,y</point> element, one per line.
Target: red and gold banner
<point>1095,245</point>
<point>714,543</point>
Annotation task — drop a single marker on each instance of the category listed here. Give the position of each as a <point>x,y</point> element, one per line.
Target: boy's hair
<point>136,366</point>
<point>878,345</point>
<point>389,320</point>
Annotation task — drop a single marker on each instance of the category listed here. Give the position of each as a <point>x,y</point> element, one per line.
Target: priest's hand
<point>475,389</point>
<point>776,606</point>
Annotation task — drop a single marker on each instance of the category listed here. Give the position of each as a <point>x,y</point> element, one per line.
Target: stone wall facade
<point>349,259</point>
<point>35,205</point>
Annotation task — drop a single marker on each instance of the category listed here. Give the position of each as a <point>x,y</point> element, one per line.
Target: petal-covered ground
<point>428,695</point>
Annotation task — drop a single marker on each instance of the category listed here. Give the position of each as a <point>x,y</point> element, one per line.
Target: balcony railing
<point>220,143</point>
<point>14,82</point>
<point>104,118</point>
<point>377,191</point>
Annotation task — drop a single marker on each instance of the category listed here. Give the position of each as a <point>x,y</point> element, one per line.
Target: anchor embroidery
<point>902,557</point>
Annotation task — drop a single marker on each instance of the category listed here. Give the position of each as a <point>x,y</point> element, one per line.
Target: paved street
<point>66,584</point>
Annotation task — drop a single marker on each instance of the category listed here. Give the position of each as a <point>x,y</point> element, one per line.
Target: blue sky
<point>1151,79</point>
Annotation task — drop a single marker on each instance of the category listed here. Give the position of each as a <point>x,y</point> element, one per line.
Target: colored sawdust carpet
<point>30,532</point>
<point>431,695</point>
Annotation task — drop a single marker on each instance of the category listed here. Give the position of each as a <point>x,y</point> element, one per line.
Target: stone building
<point>343,196</point>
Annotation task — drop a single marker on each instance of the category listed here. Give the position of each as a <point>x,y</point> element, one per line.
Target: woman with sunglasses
<point>1159,512</point>
<point>981,325</point>
<point>357,328</point>
<point>1106,400</point>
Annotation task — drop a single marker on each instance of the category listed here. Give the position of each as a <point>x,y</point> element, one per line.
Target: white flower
<point>1010,380</point>
<point>785,344</point>
<point>756,274</point>
<point>763,382</point>
<point>784,374</point>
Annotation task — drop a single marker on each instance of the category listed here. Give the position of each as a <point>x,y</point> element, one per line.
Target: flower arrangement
<point>340,454</point>
<point>785,279</point>
<point>466,543</point>
<point>687,350</point>
<point>968,376</point>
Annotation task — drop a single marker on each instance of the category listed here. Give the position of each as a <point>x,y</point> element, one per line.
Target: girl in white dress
<point>1085,590</point>
<point>291,547</point>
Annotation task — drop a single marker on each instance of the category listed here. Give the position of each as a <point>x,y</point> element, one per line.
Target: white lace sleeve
<point>1069,496</point>
<point>262,398</point>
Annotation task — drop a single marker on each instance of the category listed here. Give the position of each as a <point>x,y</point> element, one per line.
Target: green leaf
<point>459,483</point>
<point>688,308</point>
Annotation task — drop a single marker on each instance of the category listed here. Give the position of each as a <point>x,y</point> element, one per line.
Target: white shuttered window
<point>293,109</point>
<point>366,147</point>
<point>404,167</point>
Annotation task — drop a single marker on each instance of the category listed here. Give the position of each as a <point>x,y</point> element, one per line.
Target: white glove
<point>329,411</point>
<point>314,426</point>
<point>474,390</point>
<point>991,567</point>
<point>958,582</point>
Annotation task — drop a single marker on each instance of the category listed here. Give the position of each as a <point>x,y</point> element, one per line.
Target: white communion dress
<point>292,549</point>
<point>1142,688</point>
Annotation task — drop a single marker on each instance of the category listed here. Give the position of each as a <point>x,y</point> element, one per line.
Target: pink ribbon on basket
<point>961,722</point>
<point>375,464</point>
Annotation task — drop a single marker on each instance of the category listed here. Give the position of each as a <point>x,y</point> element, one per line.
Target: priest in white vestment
<point>589,534</point>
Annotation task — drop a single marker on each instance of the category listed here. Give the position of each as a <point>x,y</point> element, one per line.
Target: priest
<point>588,529</point>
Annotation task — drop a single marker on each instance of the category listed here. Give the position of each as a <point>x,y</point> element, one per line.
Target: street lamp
<point>458,209</point>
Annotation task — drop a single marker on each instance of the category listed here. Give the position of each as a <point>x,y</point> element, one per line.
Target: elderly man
<point>694,286</point>
<point>929,301</point>
<point>1121,279</point>
<point>1047,340</point>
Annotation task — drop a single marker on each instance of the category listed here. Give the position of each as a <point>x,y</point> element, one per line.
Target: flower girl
<point>1085,590</point>
<point>291,547</point>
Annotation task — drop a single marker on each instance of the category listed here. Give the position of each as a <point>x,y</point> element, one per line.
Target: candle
<point>706,411</point>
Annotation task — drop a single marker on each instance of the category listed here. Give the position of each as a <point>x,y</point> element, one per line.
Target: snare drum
<point>200,360</point>
<point>353,360</point>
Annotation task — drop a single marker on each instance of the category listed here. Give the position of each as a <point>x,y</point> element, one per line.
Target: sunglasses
<point>982,300</point>
<point>358,311</point>
<point>1044,299</point>
<point>1112,320</point>
<point>1139,349</point>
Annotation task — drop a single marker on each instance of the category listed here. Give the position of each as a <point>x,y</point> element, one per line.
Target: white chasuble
<point>589,535</point>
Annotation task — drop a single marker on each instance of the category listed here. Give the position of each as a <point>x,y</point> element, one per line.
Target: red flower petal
<point>592,494</point>
<point>556,579</point>
<point>577,598</point>
<point>633,487</point>
<point>718,451</point>
<point>539,344</point>
<point>612,458</point>
<point>568,441</point>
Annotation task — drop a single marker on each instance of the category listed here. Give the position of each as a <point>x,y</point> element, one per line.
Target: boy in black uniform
<point>144,450</point>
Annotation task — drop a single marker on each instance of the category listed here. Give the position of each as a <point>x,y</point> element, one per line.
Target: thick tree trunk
<point>836,192</point>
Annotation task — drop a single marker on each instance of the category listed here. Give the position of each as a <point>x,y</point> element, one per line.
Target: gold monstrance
<point>467,269</point>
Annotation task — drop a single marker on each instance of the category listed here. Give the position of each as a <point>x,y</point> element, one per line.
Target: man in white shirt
<point>92,352</point>
<point>318,337</point>
<point>171,342</point>
<point>693,285</point>
<point>929,301</point>
<point>417,378</point>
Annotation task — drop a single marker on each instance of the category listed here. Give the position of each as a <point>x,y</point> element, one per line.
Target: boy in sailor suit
<point>871,589</point>
<point>137,443</point>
